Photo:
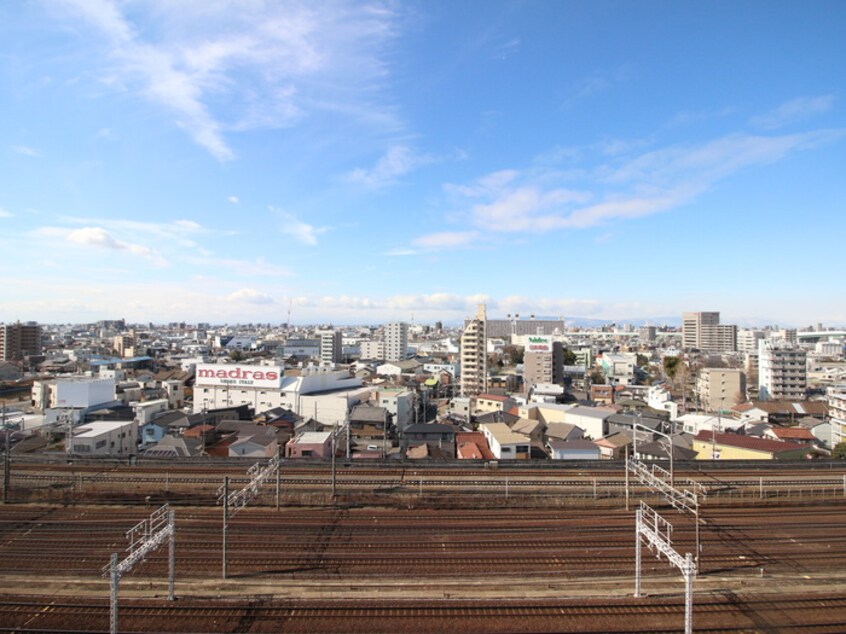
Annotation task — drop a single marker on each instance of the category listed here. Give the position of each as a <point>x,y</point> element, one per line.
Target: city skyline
<point>369,162</point>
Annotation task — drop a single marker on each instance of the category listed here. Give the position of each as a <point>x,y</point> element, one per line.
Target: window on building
<point>100,444</point>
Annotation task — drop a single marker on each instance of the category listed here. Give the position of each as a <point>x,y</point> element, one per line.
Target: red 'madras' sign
<point>239,375</point>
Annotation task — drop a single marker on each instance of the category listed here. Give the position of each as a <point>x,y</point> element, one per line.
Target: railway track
<point>727,612</point>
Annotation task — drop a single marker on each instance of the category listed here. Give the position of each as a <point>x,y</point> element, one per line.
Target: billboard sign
<point>539,343</point>
<point>239,375</point>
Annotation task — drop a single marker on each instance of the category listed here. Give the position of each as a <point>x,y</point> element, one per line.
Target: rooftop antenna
<point>290,303</point>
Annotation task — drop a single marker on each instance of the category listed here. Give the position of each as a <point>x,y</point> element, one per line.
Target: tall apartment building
<point>504,328</point>
<point>837,412</point>
<point>782,374</point>
<point>720,388</point>
<point>396,341</point>
<point>747,340</point>
<point>124,344</point>
<point>703,331</point>
<point>374,350</point>
<point>543,361</point>
<point>19,340</point>
<point>331,346</point>
<point>474,359</point>
<point>646,333</point>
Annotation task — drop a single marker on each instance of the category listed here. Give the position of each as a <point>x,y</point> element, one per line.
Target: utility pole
<point>144,538</point>
<point>235,501</point>
<point>225,518</point>
<point>7,459</point>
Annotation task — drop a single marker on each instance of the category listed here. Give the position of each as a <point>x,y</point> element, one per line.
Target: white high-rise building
<point>720,388</point>
<point>396,341</point>
<point>837,412</point>
<point>747,340</point>
<point>19,340</point>
<point>331,346</point>
<point>474,366</point>
<point>703,331</point>
<point>782,374</point>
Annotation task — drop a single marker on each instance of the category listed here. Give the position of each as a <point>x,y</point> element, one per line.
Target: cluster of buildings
<point>498,389</point>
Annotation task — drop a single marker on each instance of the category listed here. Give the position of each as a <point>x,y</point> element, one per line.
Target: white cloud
<point>247,268</point>
<point>445,239</point>
<point>26,151</point>
<point>233,199</point>
<point>5,214</point>
<point>632,186</point>
<point>400,252</point>
<point>188,225</point>
<point>793,111</point>
<point>266,65</point>
<point>250,296</point>
<point>177,231</point>
<point>297,229</point>
<point>100,238</point>
<point>397,161</point>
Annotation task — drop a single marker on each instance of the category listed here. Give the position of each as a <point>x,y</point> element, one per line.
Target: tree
<point>839,451</point>
<point>642,360</point>
<point>513,354</point>
<point>570,357</point>
<point>597,377</point>
<point>236,355</point>
<point>671,365</point>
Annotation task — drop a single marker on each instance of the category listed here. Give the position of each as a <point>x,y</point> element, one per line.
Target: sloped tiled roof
<point>793,433</point>
<point>746,442</point>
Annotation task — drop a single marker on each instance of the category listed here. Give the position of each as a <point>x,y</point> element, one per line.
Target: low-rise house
<point>206,434</point>
<point>593,420</point>
<point>151,433</point>
<point>310,444</point>
<point>784,412</point>
<point>255,446</point>
<point>614,446</point>
<point>493,403</point>
<point>472,445</point>
<point>106,438</point>
<point>573,450</point>
<point>504,443</point>
<point>174,447</point>
<point>534,429</point>
<point>424,451</point>
<point>821,430</point>
<point>711,446</point>
<point>791,434</point>
<point>564,431</point>
<point>410,367</point>
<point>496,417</point>
<point>657,450</point>
<point>433,434</point>
<point>369,423</point>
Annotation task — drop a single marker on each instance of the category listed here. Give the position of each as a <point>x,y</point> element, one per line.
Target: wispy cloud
<point>629,186</point>
<point>269,64</point>
<point>246,268</point>
<point>397,161</point>
<point>233,199</point>
<point>178,231</point>
<point>509,48</point>
<point>299,230</point>
<point>446,239</point>
<point>98,237</point>
<point>596,83</point>
<point>794,110</point>
<point>25,150</point>
<point>250,296</point>
<point>5,214</point>
<point>399,252</point>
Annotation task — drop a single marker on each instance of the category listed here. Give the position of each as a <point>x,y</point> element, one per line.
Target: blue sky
<point>204,160</point>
